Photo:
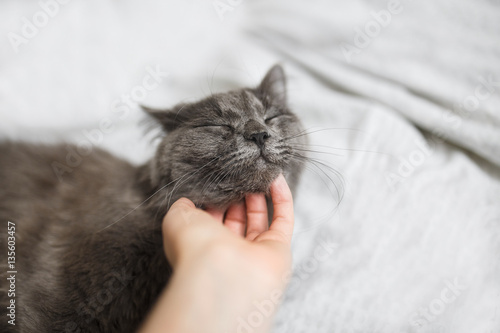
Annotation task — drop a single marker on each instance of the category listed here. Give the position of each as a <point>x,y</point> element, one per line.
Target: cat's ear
<point>170,119</point>
<point>273,86</point>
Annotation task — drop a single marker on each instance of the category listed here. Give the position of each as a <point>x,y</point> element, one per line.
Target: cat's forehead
<point>241,102</point>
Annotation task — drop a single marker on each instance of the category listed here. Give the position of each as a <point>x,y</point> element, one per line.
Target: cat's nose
<point>259,138</point>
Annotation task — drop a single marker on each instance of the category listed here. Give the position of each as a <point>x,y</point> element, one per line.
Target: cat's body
<point>64,262</point>
<point>89,253</point>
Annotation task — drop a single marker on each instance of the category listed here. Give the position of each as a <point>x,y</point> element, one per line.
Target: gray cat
<point>88,247</point>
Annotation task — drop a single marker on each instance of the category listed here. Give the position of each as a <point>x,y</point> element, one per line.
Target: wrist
<point>222,288</point>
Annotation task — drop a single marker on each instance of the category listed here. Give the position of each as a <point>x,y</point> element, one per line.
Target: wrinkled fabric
<point>398,211</point>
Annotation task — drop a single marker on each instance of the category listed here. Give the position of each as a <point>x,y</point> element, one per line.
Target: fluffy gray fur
<point>89,253</point>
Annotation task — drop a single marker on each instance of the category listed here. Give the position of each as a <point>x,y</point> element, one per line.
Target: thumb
<point>186,228</point>
<point>178,217</point>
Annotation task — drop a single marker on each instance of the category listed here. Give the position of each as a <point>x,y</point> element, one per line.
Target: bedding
<point>398,215</point>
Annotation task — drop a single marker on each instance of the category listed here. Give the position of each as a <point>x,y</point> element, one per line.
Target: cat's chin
<point>227,194</point>
<point>261,164</point>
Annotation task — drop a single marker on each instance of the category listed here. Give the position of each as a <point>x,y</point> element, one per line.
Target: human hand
<point>223,265</point>
<point>190,232</point>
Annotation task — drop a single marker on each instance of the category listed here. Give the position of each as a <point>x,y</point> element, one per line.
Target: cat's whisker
<point>223,176</point>
<point>317,163</point>
<point>152,195</point>
<point>209,180</point>
<point>142,203</point>
<point>293,136</point>
<point>233,173</point>
<point>210,86</point>
<point>298,145</point>
<point>321,176</point>
<point>327,215</point>
<point>315,151</point>
<point>185,180</point>
<point>306,132</point>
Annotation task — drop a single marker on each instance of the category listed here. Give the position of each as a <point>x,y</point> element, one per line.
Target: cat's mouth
<point>255,179</point>
<point>231,182</point>
<point>262,163</point>
<point>263,156</point>
<point>272,161</point>
<point>268,156</point>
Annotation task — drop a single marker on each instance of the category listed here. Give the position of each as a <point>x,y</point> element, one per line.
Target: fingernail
<point>184,202</point>
<point>281,179</point>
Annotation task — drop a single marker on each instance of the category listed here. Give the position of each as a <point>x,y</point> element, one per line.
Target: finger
<point>283,218</point>
<point>216,213</point>
<point>236,221</point>
<point>172,219</point>
<point>257,221</point>
<point>177,216</point>
<point>179,223</point>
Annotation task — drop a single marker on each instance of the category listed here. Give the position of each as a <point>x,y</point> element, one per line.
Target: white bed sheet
<point>406,116</point>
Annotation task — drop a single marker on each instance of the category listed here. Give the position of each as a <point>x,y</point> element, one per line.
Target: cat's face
<point>228,145</point>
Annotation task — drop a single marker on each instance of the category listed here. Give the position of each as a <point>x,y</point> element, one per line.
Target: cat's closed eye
<point>215,125</point>
<point>273,116</point>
